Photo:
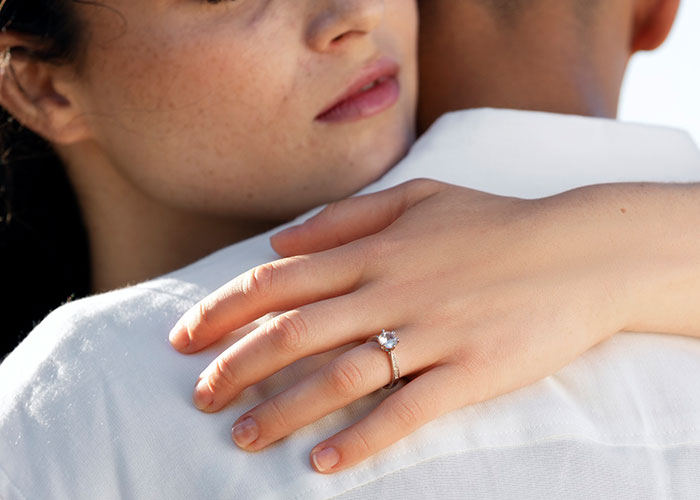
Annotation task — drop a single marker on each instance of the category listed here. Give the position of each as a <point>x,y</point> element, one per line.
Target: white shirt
<point>95,403</point>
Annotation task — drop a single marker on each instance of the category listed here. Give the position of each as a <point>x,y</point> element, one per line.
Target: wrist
<point>592,251</point>
<point>655,253</point>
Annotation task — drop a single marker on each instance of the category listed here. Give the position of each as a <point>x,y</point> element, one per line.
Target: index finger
<point>280,285</point>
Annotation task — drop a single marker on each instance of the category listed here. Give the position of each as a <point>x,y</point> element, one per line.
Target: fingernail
<point>202,397</point>
<point>178,337</point>
<point>325,459</point>
<point>245,432</point>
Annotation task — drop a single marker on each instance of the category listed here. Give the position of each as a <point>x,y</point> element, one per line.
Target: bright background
<point>663,87</point>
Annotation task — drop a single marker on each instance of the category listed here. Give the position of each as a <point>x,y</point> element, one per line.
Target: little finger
<point>425,398</point>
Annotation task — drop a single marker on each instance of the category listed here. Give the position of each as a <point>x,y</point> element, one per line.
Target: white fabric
<point>96,404</point>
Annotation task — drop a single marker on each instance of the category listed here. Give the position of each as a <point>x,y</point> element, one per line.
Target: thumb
<point>347,220</point>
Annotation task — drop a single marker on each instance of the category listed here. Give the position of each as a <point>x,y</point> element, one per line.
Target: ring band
<point>388,340</point>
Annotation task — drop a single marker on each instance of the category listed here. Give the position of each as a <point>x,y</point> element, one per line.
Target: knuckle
<point>200,320</point>
<point>344,378</point>
<point>289,332</point>
<point>406,410</point>
<point>475,363</point>
<point>377,251</point>
<point>330,211</point>
<point>476,367</point>
<point>278,417</point>
<point>422,186</point>
<point>417,183</point>
<point>223,375</point>
<point>362,442</point>
<point>259,281</point>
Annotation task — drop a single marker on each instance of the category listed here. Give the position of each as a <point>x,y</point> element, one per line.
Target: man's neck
<point>543,60</point>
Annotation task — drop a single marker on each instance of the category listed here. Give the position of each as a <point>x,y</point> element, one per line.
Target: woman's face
<point>218,106</point>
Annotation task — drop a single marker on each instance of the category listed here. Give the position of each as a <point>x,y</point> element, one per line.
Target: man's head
<point>566,56</point>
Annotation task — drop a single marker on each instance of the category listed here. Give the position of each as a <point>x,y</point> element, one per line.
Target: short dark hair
<point>511,9</point>
<point>507,7</point>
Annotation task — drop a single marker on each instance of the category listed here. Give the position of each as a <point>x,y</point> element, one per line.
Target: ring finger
<point>350,376</point>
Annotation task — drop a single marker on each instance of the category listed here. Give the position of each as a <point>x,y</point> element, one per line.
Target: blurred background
<point>663,87</point>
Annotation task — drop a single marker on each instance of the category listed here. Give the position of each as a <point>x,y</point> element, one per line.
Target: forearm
<point>653,231</point>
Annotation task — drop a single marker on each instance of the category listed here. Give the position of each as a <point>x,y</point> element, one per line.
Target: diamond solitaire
<point>387,340</point>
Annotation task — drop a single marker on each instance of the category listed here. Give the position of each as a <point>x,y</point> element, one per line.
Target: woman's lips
<point>374,91</point>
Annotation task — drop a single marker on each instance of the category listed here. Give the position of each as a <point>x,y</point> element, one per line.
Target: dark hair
<point>43,243</point>
<point>510,10</point>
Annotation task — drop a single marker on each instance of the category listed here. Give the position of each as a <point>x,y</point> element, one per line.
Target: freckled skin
<point>231,90</point>
<point>199,125</point>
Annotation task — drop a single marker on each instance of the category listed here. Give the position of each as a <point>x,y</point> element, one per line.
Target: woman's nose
<point>337,22</point>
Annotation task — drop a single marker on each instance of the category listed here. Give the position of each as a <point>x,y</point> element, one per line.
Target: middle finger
<point>305,331</point>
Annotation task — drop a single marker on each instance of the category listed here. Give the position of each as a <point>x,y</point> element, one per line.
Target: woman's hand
<point>486,293</point>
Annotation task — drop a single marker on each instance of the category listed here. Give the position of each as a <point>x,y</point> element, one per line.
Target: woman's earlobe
<point>28,91</point>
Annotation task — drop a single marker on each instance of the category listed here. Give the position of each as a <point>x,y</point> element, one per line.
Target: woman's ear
<point>653,21</point>
<point>37,93</point>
